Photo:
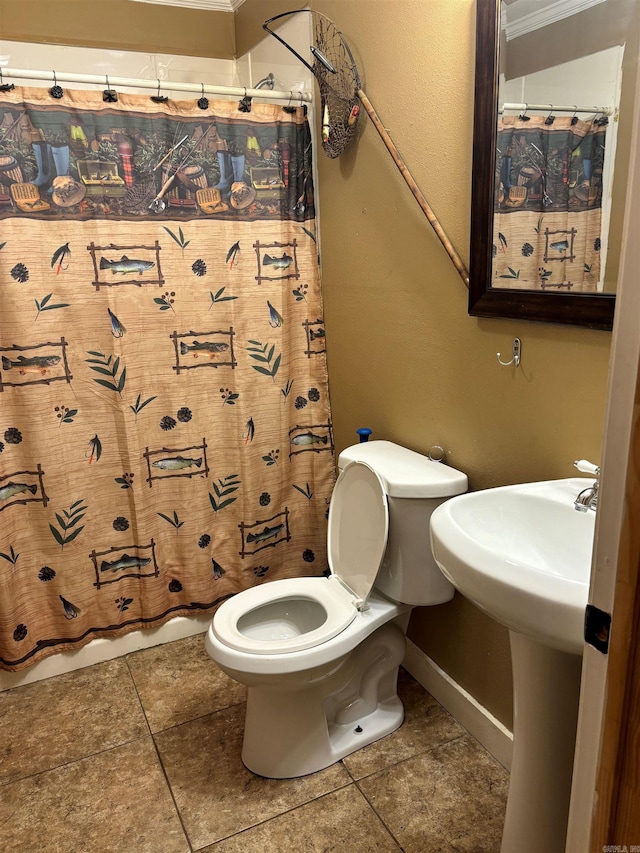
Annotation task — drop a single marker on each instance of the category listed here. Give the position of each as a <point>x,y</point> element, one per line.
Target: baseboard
<point>475,718</point>
<point>101,650</point>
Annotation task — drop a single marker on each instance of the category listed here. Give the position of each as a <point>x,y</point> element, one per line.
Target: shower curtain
<point>547,224</point>
<point>165,430</point>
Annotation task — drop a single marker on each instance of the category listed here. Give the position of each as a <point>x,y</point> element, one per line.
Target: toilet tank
<point>415,486</point>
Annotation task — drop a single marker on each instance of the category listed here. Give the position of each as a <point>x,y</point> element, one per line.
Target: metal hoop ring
<point>441,455</point>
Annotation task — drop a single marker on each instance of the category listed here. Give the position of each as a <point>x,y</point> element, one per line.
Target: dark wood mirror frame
<point>586,309</point>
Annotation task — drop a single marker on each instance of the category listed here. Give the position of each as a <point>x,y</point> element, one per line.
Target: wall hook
<point>516,355</point>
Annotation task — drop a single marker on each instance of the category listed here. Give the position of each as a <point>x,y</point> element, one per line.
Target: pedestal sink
<point>523,555</point>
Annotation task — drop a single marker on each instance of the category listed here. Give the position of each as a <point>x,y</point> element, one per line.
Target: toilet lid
<point>358,527</point>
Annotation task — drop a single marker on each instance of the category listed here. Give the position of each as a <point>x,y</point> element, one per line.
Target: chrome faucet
<point>588,498</point>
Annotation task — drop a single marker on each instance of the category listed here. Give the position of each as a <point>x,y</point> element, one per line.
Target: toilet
<point>320,655</point>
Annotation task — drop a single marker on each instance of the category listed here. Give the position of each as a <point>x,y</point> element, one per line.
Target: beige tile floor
<point>142,755</point>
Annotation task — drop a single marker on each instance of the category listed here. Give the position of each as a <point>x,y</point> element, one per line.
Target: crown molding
<point>516,26</point>
<point>209,5</point>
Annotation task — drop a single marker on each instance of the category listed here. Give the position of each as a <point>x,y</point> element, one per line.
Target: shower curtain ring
<point>600,119</point>
<point>523,116</point>
<point>203,102</point>
<point>289,109</point>
<point>56,91</point>
<point>245,104</point>
<point>5,87</point>
<point>159,99</point>
<point>109,95</point>
<point>574,117</point>
<point>550,118</point>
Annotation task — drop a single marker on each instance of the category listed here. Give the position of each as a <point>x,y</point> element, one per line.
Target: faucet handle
<point>587,467</point>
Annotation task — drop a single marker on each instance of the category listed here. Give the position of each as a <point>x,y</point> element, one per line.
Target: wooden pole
<point>415,189</point>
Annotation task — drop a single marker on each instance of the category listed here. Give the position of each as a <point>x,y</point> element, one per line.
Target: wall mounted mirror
<point>554,98</point>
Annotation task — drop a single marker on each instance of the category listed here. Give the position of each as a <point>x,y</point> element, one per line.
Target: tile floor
<point>142,755</point>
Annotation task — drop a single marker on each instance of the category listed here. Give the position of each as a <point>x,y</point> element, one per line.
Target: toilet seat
<point>260,620</point>
<point>358,528</point>
<point>328,593</point>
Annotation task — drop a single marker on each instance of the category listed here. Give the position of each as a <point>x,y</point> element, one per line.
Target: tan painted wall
<point>119,25</point>
<point>251,16</point>
<point>404,356</point>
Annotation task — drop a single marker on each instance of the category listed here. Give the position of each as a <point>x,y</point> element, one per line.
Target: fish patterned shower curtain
<point>548,203</point>
<point>165,430</point>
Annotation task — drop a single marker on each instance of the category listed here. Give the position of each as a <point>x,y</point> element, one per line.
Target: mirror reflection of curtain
<point>547,224</point>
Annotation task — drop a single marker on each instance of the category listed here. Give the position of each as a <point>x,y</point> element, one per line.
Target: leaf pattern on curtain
<point>547,225</point>
<point>165,429</point>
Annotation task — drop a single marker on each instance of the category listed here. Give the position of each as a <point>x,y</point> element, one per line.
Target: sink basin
<point>523,555</point>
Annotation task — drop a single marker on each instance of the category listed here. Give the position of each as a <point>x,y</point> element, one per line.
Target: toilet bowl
<point>320,655</point>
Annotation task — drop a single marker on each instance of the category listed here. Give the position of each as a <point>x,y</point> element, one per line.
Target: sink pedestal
<point>546,697</point>
<point>523,555</point>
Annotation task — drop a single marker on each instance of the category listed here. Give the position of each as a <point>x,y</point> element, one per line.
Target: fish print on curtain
<point>165,431</point>
<point>547,224</point>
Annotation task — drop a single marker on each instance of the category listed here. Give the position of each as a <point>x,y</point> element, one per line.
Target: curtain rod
<point>195,88</point>
<point>607,111</point>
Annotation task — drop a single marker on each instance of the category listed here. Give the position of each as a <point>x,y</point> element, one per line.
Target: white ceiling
<point>523,16</point>
<point>211,5</point>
